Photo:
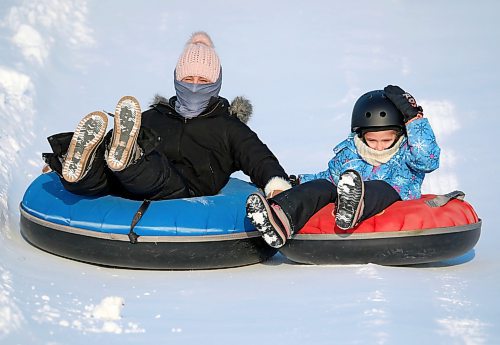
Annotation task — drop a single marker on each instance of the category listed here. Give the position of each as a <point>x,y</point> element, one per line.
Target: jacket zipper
<point>213,174</point>
<point>182,133</point>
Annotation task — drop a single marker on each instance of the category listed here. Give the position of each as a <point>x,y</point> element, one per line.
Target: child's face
<point>380,140</point>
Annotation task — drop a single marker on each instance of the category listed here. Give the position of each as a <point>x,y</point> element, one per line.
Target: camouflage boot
<point>123,148</point>
<point>86,139</point>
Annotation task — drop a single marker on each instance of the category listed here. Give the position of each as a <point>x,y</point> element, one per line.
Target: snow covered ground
<point>303,67</point>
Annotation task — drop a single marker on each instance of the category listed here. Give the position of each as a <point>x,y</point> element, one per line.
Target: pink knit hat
<point>198,59</point>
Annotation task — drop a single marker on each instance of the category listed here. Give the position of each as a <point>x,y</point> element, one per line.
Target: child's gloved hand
<point>403,101</point>
<point>294,180</point>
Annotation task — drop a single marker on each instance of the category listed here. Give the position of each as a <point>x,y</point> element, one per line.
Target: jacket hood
<point>240,107</point>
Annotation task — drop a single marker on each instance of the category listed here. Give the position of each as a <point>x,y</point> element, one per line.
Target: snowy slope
<point>303,67</point>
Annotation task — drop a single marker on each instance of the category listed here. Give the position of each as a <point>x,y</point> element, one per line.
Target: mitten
<point>403,101</point>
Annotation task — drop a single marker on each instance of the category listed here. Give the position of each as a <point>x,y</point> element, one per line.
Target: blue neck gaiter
<point>192,99</point>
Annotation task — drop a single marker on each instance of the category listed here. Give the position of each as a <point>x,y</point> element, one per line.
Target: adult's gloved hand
<point>403,101</point>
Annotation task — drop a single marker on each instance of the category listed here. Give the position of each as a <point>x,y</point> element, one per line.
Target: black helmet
<point>375,111</point>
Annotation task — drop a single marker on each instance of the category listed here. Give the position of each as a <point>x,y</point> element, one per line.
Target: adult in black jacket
<point>184,147</point>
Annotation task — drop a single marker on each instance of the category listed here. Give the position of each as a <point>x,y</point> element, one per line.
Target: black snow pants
<point>151,177</point>
<point>301,202</point>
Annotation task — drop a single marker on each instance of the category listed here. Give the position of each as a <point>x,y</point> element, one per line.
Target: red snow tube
<point>406,233</point>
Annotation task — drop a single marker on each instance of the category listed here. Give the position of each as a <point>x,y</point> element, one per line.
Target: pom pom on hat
<point>198,59</point>
<point>201,37</point>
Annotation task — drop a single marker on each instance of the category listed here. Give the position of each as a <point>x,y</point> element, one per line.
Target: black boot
<point>350,192</point>
<point>269,220</point>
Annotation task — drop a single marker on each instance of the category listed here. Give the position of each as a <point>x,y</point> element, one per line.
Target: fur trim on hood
<point>159,99</point>
<point>240,107</point>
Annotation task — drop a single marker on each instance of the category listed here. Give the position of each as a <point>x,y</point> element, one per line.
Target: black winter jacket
<point>207,149</point>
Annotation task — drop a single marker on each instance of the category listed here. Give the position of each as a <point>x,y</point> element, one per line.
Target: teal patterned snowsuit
<point>405,171</point>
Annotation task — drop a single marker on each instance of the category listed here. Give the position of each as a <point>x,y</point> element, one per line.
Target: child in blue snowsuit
<point>385,158</point>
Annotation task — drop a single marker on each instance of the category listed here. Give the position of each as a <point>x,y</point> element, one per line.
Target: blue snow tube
<point>191,233</point>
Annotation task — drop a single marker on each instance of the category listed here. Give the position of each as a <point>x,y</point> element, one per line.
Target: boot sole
<point>259,213</point>
<point>344,202</point>
<point>127,123</point>
<point>87,137</point>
